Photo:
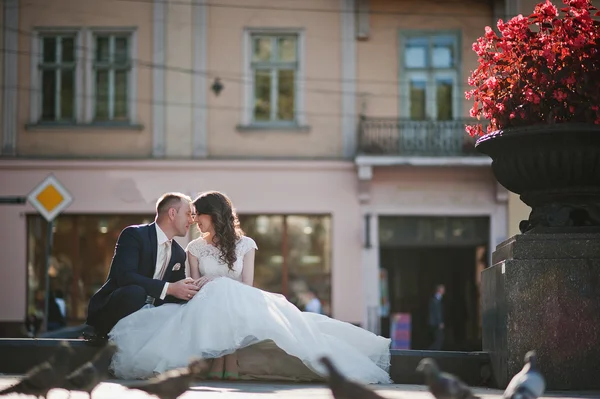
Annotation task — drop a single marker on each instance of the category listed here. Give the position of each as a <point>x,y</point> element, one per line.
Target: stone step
<point>474,368</point>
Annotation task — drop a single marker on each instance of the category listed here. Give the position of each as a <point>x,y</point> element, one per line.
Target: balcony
<point>407,138</point>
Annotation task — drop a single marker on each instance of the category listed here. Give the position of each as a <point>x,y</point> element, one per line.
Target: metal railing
<point>391,136</point>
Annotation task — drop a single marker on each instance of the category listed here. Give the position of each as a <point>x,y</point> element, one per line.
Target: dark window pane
<point>102,98</point>
<point>49,95</point>
<point>262,95</point>
<point>49,49</point>
<point>68,49</point>
<point>417,100</point>
<point>67,94</point>
<point>102,49</point>
<point>414,231</point>
<point>121,50</point>
<point>286,97</point>
<point>444,99</point>
<point>120,95</point>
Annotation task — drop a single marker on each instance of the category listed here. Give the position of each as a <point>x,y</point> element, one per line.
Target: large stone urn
<point>542,290</point>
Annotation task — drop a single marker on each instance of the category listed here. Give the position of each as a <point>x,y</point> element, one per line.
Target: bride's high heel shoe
<point>231,375</point>
<point>216,375</point>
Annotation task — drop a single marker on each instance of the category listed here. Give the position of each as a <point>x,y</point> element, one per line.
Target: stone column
<point>10,81</point>
<point>179,78</point>
<point>543,292</point>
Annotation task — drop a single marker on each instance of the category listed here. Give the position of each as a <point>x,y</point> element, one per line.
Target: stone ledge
<point>548,246</point>
<point>20,354</point>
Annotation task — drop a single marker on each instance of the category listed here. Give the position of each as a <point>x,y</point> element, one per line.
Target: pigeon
<point>91,373</point>
<point>45,376</point>
<point>528,383</point>
<point>443,385</point>
<point>341,388</point>
<point>173,383</point>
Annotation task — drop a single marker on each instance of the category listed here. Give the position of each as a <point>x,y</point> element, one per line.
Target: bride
<point>249,333</point>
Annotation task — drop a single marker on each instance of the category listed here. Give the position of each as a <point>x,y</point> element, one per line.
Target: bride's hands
<point>201,281</point>
<point>183,289</point>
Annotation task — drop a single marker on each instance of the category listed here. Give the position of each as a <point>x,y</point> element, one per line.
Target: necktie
<point>167,251</point>
<point>163,269</point>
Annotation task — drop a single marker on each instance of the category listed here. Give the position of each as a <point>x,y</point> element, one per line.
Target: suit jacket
<point>134,263</point>
<point>436,313</point>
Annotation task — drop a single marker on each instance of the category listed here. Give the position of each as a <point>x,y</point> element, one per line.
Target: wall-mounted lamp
<point>217,86</point>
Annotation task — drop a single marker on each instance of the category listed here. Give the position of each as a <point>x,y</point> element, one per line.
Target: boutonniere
<point>176,267</point>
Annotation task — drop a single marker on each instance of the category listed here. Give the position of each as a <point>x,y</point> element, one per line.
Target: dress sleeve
<point>247,244</point>
<point>195,248</point>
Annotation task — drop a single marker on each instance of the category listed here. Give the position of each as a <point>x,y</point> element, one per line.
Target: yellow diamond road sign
<point>50,198</point>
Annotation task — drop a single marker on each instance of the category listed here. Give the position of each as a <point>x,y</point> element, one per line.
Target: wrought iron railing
<point>389,136</point>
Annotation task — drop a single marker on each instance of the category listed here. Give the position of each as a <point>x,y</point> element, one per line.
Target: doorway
<point>418,253</point>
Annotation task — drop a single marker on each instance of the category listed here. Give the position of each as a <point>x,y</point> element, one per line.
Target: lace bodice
<point>208,258</point>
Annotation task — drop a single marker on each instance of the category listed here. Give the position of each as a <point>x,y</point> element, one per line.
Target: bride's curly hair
<point>225,222</point>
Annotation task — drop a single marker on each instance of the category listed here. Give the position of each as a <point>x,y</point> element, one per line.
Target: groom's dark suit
<point>130,278</point>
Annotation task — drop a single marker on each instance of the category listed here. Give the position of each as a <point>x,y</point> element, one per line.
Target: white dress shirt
<point>161,253</point>
<point>314,306</point>
<point>62,306</point>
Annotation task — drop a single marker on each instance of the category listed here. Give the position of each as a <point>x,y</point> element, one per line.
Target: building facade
<point>336,127</point>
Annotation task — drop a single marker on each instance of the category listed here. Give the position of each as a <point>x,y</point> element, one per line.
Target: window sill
<point>273,128</point>
<point>83,126</point>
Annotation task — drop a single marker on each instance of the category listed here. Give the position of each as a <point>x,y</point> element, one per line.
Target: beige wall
<point>178,80</point>
<point>321,57</point>
<point>377,60</point>
<point>1,70</point>
<point>378,56</point>
<point>517,211</point>
<point>80,140</point>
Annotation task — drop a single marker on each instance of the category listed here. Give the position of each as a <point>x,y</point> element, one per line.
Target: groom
<point>148,266</point>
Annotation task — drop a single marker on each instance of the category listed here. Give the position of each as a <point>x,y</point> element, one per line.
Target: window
<point>429,84</point>
<point>81,256</point>
<point>294,255</point>
<point>112,74</point>
<point>57,74</point>
<point>274,64</point>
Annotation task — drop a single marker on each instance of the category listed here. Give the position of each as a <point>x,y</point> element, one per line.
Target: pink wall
<point>134,186</point>
<point>12,262</point>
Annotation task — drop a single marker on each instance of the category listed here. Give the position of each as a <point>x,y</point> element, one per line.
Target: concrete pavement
<point>237,390</point>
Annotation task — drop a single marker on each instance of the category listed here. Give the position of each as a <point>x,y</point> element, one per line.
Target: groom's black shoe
<point>95,338</point>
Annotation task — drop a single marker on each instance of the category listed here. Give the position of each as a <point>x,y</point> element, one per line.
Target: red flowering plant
<point>548,74</point>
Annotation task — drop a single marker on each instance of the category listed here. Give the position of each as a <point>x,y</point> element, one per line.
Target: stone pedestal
<point>543,292</point>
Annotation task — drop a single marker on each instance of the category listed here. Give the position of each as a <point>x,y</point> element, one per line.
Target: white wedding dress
<point>273,339</point>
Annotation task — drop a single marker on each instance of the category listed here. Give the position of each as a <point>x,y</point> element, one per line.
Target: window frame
<point>37,67</point>
<point>91,66</point>
<point>432,75</point>
<point>250,66</point>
